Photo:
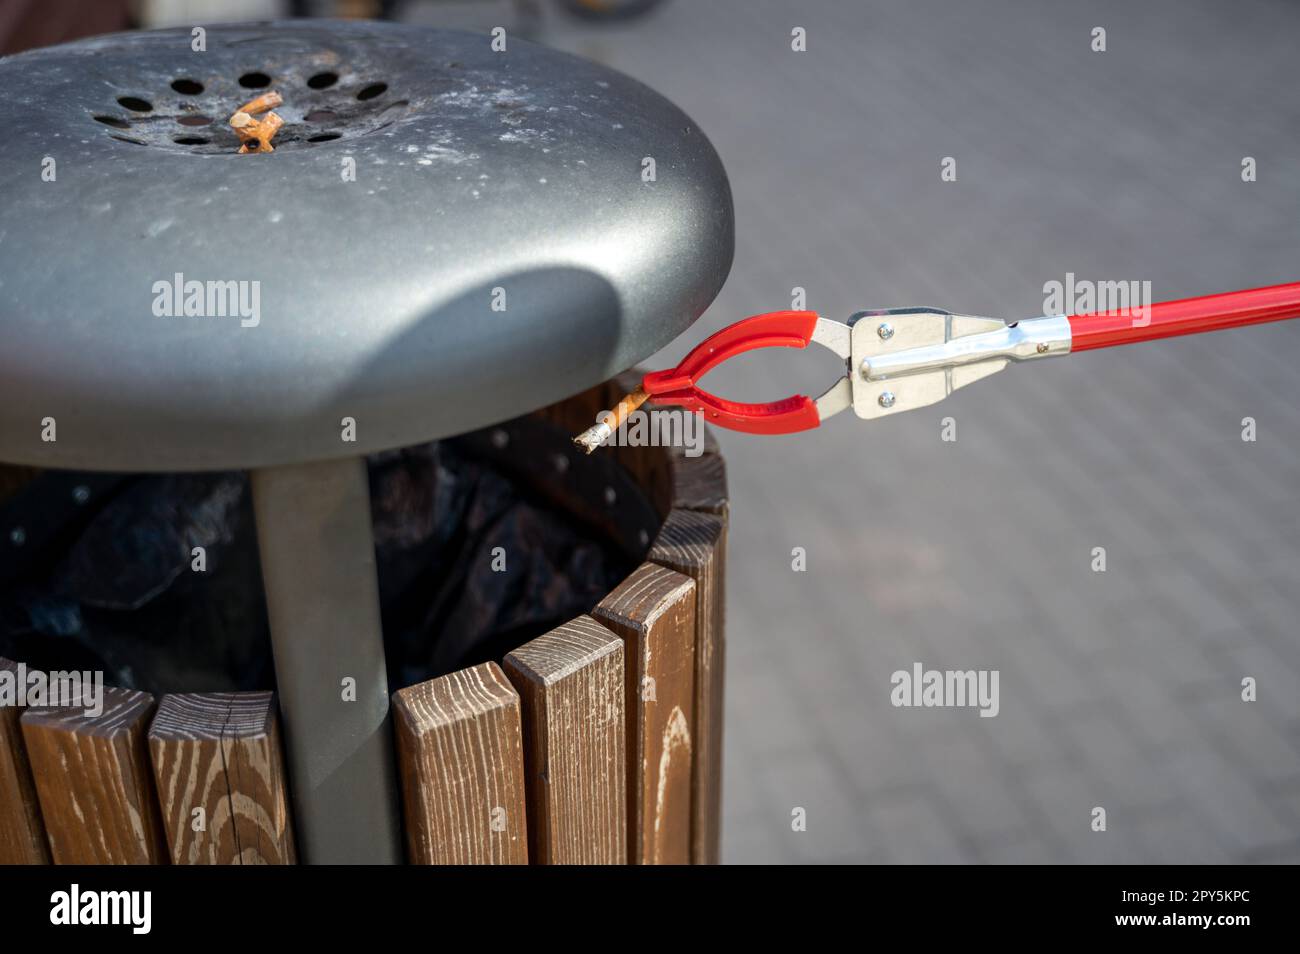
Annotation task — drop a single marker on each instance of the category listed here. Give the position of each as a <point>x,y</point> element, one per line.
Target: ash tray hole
<point>373,90</point>
<point>191,141</point>
<point>323,80</point>
<point>320,116</point>
<point>187,87</point>
<point>254,80</point>
<point>113,121</point>
<point>324,137</point>
<point>135,104</point>
<point>194,120</point>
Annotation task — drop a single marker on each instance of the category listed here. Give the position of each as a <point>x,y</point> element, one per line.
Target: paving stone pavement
<point>1118,689</point>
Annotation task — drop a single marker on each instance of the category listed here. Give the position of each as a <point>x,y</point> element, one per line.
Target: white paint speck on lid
<point>275,216</point>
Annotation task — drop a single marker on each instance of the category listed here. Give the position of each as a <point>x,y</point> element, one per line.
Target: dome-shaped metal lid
<point>444,237</point>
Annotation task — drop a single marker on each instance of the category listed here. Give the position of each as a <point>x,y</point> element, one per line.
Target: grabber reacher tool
<point>899,359</point>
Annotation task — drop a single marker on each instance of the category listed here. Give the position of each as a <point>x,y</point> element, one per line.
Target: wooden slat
<point>571,683</point>
<point>221,752</point>
<point>699,483</point>
<point>460,754</point>
<point>653,610</point>
<point>22,833</point>
<point>94,782</point>
<point>694,544</point>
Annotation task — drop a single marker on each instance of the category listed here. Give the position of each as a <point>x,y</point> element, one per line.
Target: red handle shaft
<point>1188,316</point>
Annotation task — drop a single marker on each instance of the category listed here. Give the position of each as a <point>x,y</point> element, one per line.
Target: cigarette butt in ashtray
<point>255,135</point>
<point>598,433</point>
<point>260,104</point>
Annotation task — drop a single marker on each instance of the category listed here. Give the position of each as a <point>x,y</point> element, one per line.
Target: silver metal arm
<point>1023,341</point>
<point>905,358</point>
<point>899,359</point>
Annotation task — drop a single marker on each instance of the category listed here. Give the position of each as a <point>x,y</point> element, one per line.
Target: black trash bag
<point>123,595</point>
<point>470,565</point>
<point>476,568</point>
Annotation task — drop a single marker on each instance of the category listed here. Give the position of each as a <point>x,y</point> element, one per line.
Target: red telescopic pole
<point>1187,316</point>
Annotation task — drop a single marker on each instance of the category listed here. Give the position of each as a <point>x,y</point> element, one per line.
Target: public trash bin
<point>350,487</point>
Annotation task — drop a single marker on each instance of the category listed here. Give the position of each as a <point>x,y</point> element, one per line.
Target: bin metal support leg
<point>322,597</point>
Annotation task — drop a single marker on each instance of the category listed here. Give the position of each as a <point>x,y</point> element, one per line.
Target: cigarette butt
<point>255,135</point>
<point>270,126</point>
<point>260,104</point>
<point>597,434</point>
<point>628,404</point>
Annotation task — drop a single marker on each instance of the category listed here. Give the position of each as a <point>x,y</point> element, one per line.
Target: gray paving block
<point>1230,800</point>
<point>914,831</point>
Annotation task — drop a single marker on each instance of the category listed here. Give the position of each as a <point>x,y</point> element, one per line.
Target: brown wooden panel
<point>699,483</point>
<point>221,752</point>
<point>571,683</point>
<point>93,778</point>
<point>653,610</point>
<point>22,833</point>
<point>694,544</point>
<point>460,754</point>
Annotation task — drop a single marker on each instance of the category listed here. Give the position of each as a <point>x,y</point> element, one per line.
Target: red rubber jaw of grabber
<point>776,329</point>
